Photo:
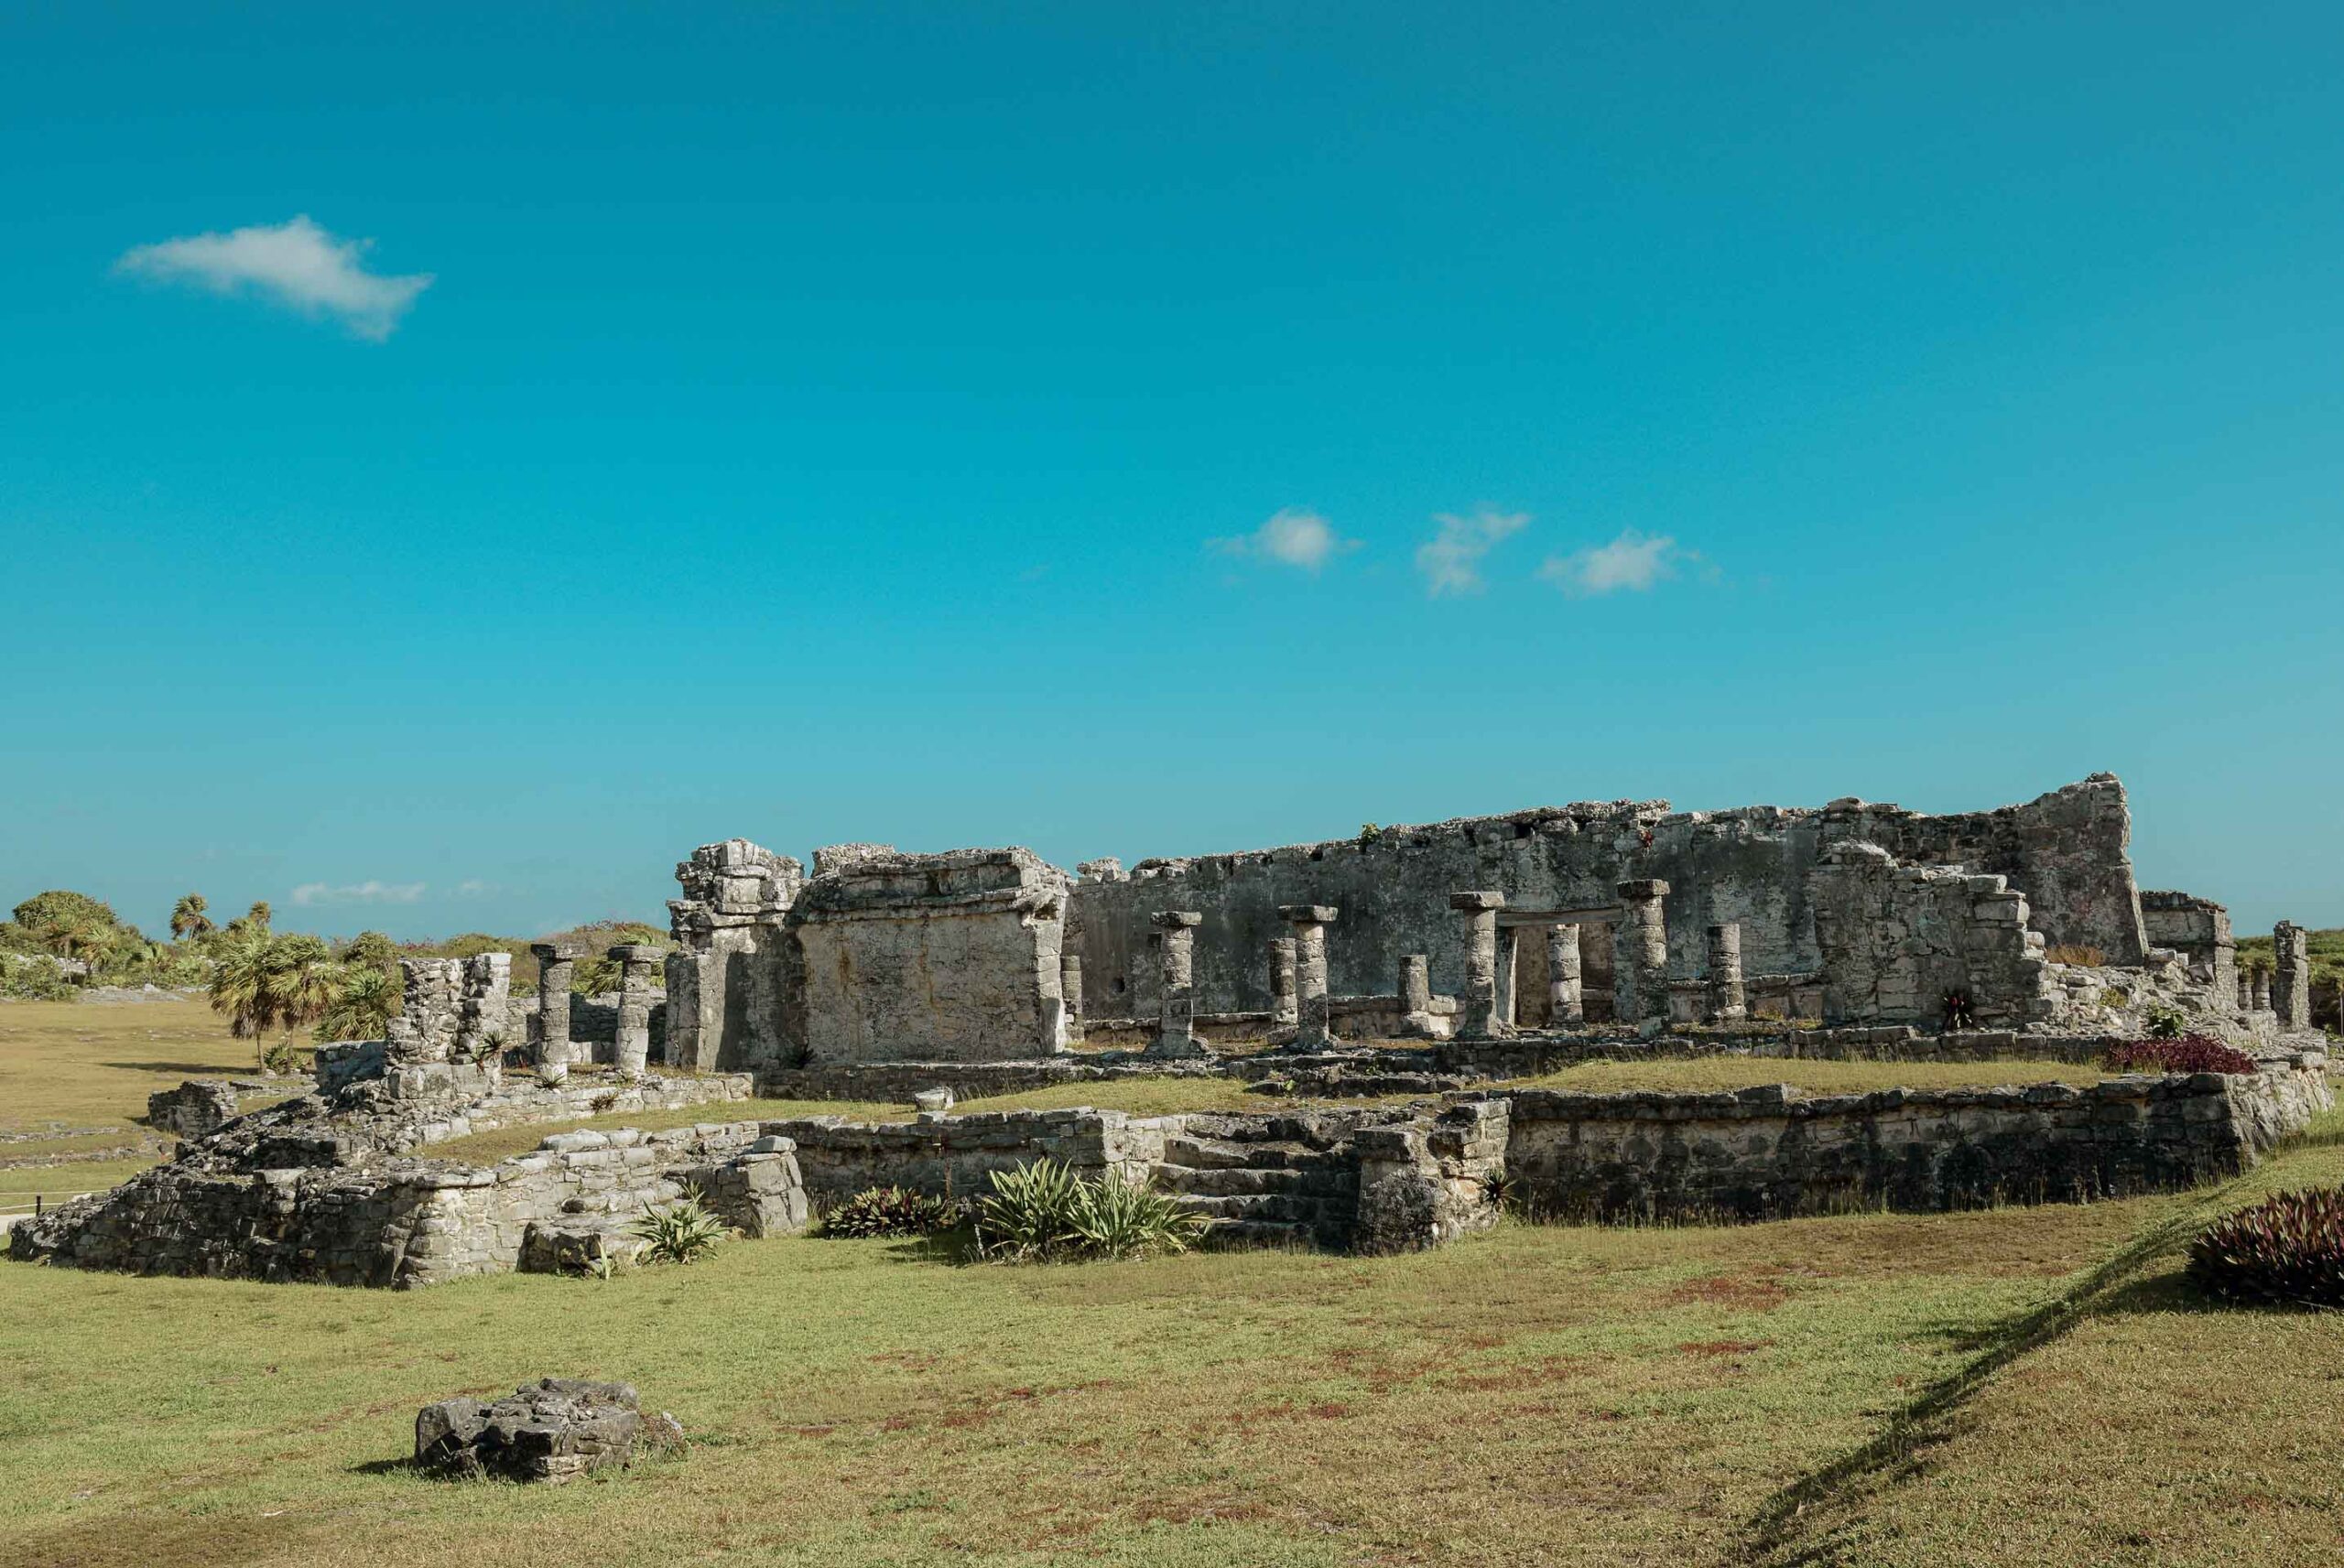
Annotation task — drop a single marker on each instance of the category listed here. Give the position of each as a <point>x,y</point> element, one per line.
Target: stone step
<point>1259,1233</point>
<point>1223,1180</point>
<point>1206,1154</point>
<point>1283,1207</point>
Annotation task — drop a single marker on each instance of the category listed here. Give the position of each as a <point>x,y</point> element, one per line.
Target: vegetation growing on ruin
<point>2326,954</point>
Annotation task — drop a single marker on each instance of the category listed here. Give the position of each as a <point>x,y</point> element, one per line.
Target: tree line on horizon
<point>262,982</point>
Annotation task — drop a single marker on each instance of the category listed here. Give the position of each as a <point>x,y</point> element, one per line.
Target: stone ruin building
<point>1443,962</point>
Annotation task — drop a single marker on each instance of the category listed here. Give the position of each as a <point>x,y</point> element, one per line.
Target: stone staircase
<point>1290,1180</point>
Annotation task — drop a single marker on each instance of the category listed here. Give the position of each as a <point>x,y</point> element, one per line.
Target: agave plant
<point>1043,1212</point>
<point>2286,1250</point>
<point>683,1232</point>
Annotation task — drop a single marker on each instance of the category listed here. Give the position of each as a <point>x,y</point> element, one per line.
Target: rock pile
<point>554,1430</point>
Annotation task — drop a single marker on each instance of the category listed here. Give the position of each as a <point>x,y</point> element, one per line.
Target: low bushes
<point>890,1211</point>
<point>2286,1250</point>
<point>1043,1213</point>
<point>2187,1053</point>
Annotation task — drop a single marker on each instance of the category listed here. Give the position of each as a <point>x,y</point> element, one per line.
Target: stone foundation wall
<point>401,1222</point>
<point>952,1155</point>
<point>1771,1152</point>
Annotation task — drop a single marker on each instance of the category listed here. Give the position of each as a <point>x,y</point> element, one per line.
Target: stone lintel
<point>1647,888</point>
<point>1176,919</point>
<point>1309,913</point>
<point>557,952</point>
<point>1478,899</point>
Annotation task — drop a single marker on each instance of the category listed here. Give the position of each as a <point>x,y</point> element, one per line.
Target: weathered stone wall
<point>2196,928</point>
<point>1773,1151</point>
<point>2067,851</point>
<point>1897,941</point>
<point>735,970</point>
<point>931,958</point>
<point>401,1222</point>
<point>952,1155</point>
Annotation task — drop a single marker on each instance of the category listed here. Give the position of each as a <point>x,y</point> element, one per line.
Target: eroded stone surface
<point>554,1430</point>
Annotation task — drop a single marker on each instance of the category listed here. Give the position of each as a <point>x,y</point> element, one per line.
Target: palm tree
<point>305,980</point>
<point>188,918</point>
<point>240,985</point>
<point>369,1001</point>
<point>258,914</point>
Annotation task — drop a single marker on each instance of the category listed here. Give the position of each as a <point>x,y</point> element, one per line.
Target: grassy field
<point>74,1075</point>
<point>2022,1385</point>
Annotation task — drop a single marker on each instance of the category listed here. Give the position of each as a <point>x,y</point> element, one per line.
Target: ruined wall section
<point>950,957</point>
<point>733,973</point>
<point>2066,851</point>
<point>2199,930</point>
<point>1898,941</point>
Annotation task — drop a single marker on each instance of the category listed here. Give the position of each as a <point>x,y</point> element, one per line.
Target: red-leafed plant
<point>2286,1251</point>
<point>2188,1054</point>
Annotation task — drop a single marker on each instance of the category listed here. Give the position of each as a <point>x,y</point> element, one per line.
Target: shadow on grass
<point>192,1069</point>
<point>2114,1285</point>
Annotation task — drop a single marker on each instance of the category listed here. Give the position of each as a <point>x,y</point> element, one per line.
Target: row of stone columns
<point>2284,990</point>
<point>1299,992</point>
<point>557,964</point>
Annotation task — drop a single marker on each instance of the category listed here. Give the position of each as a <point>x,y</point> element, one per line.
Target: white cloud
<point>1631,561</point>
<point>1293,538</point>
<point>368,892</point>
<point>473,887</point>
<point>295,263</point>
<point>1451,559</point>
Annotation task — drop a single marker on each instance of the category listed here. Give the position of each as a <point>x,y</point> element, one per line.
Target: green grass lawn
<point>2022,1385</point>
<point>1538,1395</point>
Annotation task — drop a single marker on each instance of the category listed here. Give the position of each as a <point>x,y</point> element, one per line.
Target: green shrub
<point>35,980</point>
<point>2287,1251</point>
<point>1042,1212</point>
<point>890,1211</point>
<point>683,1232</point>
<point>2165,1023</point>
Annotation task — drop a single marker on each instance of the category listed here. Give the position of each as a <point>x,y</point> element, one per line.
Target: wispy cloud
<point>1451,560</point>
<point>295,263</point>
<point>368,892</point>
<point>473,887</point>
<point>1292,538</point>
<point>1631,562</point>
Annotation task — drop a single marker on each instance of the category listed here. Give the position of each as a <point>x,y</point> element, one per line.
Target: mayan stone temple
<point>1428,969</point>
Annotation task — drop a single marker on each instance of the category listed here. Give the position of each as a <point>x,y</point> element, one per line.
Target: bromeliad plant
<point>2187,1053</point>
<point>2287,1251</point>
<point>1043,1213</point>
<point>891,1211</point>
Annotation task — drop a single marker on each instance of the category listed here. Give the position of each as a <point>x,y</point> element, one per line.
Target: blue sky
<point>949,425</point>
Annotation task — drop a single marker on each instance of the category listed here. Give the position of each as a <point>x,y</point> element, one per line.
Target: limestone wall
<point>950,957</point>
<point>952,1155</point>
<point>2067,851</point>
<point>1897,941</point>
<point>1773,1151</point>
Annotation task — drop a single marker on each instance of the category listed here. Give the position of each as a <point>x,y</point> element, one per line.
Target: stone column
<point>1176,1030</point>
<point>556,962</point>
<point>1640,956</point>
<point>1310,921</point>
<point>2261,991</point>
<point>2246,990</point>
<point>1509,974</point>
<point>2291,992</point>
<point>1071,988</point>
<point>1416,998</point>
<point>1283,1015</point>
<point>635,961</point>
<point>1564,1009</point>
<point>1478,1017</point>
<point>1728,1002</point>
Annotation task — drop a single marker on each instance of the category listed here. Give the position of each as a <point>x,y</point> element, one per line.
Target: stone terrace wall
<point>953,1154</point>
<point>403,1222</point>
<point>1770,1152</point>
<point>2066,851</point>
